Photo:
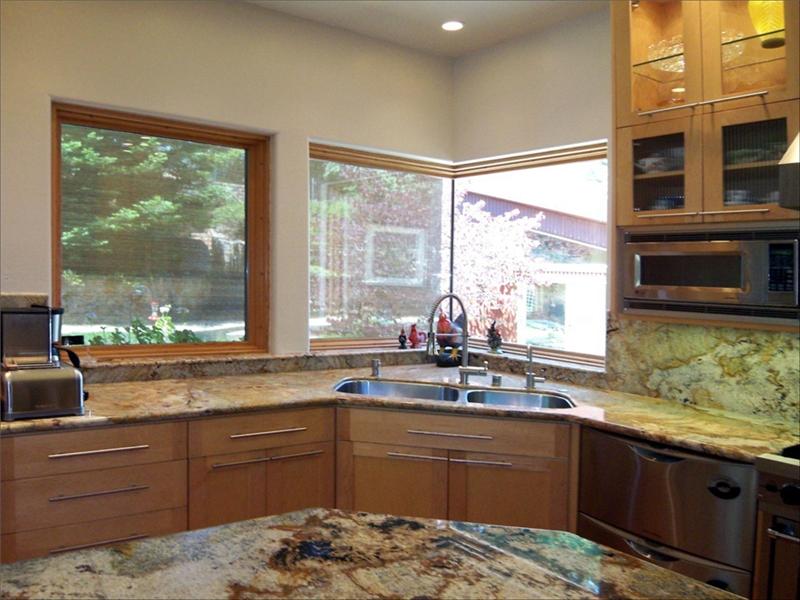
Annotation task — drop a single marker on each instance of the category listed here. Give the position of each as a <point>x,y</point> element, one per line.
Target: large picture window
<point>380,249</point>
<point>527,236</point>
<point>160,232</point>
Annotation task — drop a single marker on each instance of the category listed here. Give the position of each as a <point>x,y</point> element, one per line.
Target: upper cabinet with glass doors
<point>675,58</point>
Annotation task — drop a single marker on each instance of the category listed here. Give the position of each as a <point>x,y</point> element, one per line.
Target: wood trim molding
<point>529,160</point>
<point>378,160</point>
<point>591,151</point>
<point>257,147</point>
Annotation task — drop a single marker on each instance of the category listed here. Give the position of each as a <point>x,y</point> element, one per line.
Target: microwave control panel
<point>781,267</point>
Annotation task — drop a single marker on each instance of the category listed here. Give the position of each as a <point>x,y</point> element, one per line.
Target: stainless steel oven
<point>727,272</point>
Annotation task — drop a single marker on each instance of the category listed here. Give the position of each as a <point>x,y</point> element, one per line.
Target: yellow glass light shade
<point>767,16</point>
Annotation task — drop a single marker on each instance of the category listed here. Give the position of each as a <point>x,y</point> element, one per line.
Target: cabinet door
<point>741,151</point>
<point>509,490</point>
<point>750,49</point>
<point>657,59</point>
<point>397,480</point>
<point>659,173</point>
<point>226,488</point>
<point>300,477</point>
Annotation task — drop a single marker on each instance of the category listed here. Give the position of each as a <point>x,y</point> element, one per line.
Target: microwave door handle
<point>796,245</point>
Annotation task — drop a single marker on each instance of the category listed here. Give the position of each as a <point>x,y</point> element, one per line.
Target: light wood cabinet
<point>100,532</point>
<point>508,490</point>
<point>287,464</point>
<point>722,166</point>
<point>59,452</point>
<point>83,488</point>
<point>749,50</point>
<point>450,474</point>
<point>227,488</point>
<point>301,477</point>
<point>741,150</point>
<point>395,480</point>
<point>677,58</point>
<point>234,487</point>
<point>659,173</point>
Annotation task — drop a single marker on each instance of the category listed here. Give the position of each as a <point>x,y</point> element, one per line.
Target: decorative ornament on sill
<point>494,339</point>
<point>413,336</point>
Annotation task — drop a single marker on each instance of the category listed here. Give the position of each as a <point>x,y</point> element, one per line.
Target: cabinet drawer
<point>227,435</point>
<point>80,497</point>
<point>45,542</point>
<point>50,453</point>
<point>478,434</point>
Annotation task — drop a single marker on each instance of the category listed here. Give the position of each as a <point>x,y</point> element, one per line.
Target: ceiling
<point>417,23</point>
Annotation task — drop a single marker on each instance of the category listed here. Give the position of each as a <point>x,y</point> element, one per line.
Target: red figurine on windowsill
<point>413,336</point>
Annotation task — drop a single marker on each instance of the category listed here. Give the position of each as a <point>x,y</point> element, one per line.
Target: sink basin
<point>422,391</point>
<point>520,399</point>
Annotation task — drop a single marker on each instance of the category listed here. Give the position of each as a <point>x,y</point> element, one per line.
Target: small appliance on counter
<point>34,382</point>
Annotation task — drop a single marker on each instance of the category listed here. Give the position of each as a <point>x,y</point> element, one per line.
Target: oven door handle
<point>777,535</point>
<point>653,456</point>
<point>648,552</point>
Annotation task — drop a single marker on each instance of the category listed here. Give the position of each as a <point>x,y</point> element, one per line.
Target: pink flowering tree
<point>493,264</point>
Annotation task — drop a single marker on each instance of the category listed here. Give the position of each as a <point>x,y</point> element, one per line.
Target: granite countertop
<point>322,553</point>
<point>713,431</point>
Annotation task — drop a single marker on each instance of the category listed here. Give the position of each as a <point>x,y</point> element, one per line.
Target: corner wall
<point>548,89</point>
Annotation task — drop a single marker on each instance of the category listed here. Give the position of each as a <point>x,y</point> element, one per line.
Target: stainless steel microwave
<point>738,273</point>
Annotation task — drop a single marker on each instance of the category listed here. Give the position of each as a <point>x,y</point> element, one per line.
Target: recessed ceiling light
<point>452,26</point>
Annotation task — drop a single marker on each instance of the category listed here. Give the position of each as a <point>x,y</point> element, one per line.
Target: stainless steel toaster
<point>50,392</point>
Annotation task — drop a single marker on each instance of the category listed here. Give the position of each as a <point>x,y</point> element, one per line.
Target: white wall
<point>227,63</point>
<point>549,89</point>
<point>239,65</point>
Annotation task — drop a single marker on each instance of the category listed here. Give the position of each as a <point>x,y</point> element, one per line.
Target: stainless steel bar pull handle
<point>237,436</point>
<point>238,463</point>
<point>415,456</point>
<point>731,98</point>
<point>658,216</point>
<point>297,455</point>
<point>100,451</point>
<point>491,463</point>
<point>655,111</point>
<point>130,488</point>
<point>654,456</point>
<point>469,436</point>
<point>739,211</point>
<point>782,536</point>
<point>135,536</point>
<point>643,550</point>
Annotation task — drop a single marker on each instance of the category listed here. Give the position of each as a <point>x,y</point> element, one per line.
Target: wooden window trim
<point>455,170</point>
<point>257,226</point>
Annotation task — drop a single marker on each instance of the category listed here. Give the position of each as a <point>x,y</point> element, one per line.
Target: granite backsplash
<point>742,370</point>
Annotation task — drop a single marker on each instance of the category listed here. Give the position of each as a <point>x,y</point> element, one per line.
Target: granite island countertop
<point>326,553</point>
<point>726,434</point>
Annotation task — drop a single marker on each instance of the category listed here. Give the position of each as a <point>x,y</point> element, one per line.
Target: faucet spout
<point>431,343</point>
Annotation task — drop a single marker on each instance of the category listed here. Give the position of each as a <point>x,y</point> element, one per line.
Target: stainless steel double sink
<point>448,393</point>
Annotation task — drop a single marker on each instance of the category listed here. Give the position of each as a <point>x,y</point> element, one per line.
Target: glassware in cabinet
<point>742,149</point>
<point>751,52</point>
<point>659,173</point>
<point>657,59</point>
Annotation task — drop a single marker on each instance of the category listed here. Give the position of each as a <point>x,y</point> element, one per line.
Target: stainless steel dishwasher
<point>682,511</point>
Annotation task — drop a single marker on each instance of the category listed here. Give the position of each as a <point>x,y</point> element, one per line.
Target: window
<point>160,233</point>
<point>527,235</point>
<point>380,250</point>
<point>530,248</point>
